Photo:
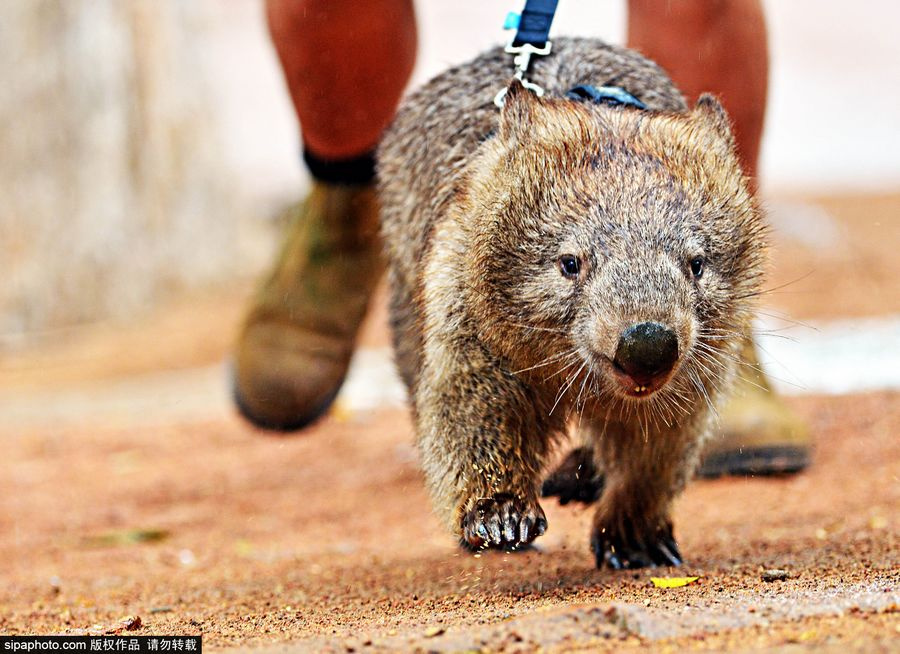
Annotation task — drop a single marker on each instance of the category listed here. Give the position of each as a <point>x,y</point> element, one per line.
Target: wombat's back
<point>439,127</point>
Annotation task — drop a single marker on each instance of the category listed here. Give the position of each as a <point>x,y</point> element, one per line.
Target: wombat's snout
<point>646,352</point>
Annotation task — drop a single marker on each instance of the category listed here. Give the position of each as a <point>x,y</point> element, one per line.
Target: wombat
<point>558,265</point>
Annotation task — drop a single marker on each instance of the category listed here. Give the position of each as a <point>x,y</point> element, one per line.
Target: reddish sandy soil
<point>326,541</point>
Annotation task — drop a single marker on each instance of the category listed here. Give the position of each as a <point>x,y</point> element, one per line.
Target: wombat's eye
<point>569,265</point>
<point>697,267</point>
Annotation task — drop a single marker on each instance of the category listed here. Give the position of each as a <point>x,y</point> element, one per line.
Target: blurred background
<point>148,146</point>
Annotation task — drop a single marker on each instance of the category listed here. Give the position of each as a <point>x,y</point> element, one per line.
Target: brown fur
<point>500,351</point>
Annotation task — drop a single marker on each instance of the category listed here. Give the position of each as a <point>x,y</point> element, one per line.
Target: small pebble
<point>431,632</point>
<point>774,574</point>
<point>130,623</point>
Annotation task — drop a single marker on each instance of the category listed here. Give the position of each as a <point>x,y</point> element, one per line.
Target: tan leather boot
<point>295,344</point>
<point>759,434</point>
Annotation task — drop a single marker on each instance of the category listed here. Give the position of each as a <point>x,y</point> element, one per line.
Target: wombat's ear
<point>711,113</point>
<point>518,112</point>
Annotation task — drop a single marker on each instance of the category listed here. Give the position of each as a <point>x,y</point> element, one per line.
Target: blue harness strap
<point>611,95</point>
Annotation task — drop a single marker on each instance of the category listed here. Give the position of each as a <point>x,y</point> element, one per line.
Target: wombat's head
<point>613,251</point>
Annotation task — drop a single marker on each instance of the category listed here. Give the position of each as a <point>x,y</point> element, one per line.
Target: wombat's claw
<point>620,554</point>
<point>576,479</point>
<point>502,522</point>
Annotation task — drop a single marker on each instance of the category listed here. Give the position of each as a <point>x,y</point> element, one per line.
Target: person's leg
<point>720,46</point>
<point>345,64</point>
<point>714,46</point>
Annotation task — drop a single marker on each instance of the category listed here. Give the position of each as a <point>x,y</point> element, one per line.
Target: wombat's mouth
<point>638,386</point>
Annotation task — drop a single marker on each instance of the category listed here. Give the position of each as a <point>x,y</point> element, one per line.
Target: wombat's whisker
<point>771,291</point>
<point>784,367</point>
<point>536,328</point>
<point>666,408</point>
<point>680,396</point>
<point>672,400</point>
<point>714,353</point>
<point>692,375</point>
<point>771,376</point>
<point>566,387</point>
<point>587,376</point>
<point>712,376</point>
<point>705,374</point>
<point>713,364</point>
<point>709,349</point>
<point>756,368</point>
<point>595,388</point>
<point>563,369</point>
<point>628,407</point>
<point>546,362</point>
<point>747,380</point>
<point>605,423</point>
<point>670,412</point>
<point>677,400</point>
<point>730,333</point>
<point>713,357</point>
<point>644,424</point>
<point>734,359</point>
<point>709,363</point>
<point>655,409</point>
<point>593,392</point>
<point>771,333</point>
<point>782,317</point>
<point>705,331</point>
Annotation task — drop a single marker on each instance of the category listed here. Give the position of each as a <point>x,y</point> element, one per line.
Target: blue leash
<point>533,24</point>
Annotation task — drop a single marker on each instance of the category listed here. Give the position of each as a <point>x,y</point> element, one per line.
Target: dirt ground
<point>326,541</point>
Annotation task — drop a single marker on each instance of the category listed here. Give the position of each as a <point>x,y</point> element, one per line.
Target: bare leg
<point>345,64</point>
<point>716,46</point>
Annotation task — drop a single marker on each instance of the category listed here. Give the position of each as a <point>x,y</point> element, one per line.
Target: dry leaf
<point>121,537</point>
<point>672,582</point>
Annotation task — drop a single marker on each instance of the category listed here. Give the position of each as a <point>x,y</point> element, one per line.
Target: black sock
<point>353,170</point>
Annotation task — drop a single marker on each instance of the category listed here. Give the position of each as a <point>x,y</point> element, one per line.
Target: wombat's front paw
<point>622,552</point>
<point>502,522</point>
<point>576,479</point>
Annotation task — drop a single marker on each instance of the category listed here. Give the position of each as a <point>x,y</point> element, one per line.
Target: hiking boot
<point>295,344</point>
<point>759,434</point>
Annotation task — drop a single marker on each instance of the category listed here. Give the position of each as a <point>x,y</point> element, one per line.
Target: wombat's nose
<point>646,351</point>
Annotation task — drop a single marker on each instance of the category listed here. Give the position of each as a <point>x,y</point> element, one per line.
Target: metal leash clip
<point>523,53</point>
